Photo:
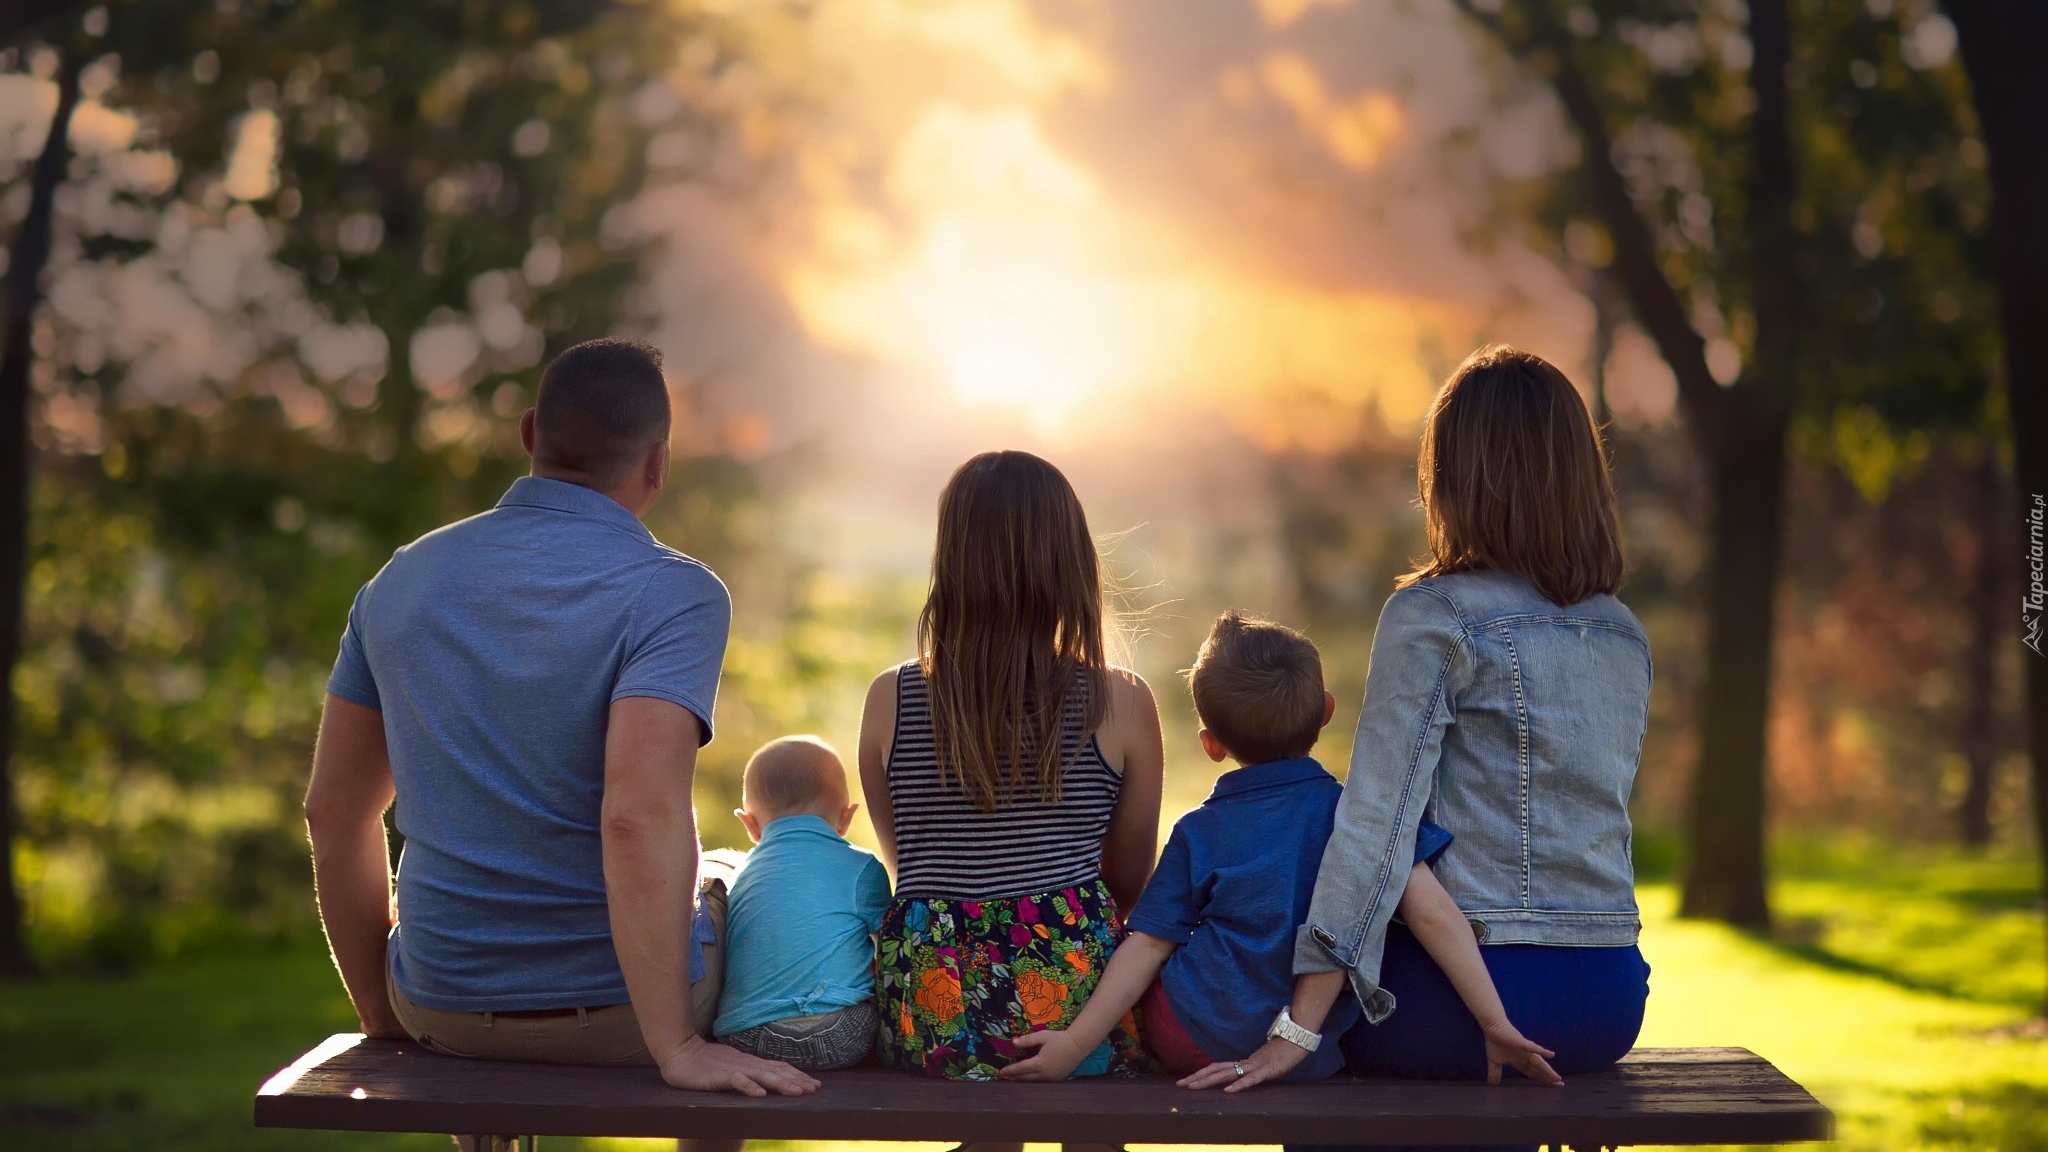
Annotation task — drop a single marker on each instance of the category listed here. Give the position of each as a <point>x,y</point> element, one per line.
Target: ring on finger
<point>1239,1069</point>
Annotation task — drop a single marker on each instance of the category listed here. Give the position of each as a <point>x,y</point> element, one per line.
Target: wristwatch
<point>1284,1028</point>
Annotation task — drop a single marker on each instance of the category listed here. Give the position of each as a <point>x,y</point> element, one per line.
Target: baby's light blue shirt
<point>800,929</point>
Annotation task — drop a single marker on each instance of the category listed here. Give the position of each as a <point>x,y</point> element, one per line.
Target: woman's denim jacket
<point>1515,724</point>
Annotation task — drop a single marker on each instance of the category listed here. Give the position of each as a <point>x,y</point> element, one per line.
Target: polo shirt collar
<point>798,825</point>
<point>1271,774</point>
<point>562,496</point>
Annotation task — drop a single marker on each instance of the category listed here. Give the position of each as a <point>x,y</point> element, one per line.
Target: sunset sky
<point>1134,236</point>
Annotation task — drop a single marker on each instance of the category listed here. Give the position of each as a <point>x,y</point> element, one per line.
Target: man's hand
<point>386,1027</point>
<point>1274,1059</point>
<point>1506,1045</point>
<point>1058,1055</point>
<point>703,1067</point>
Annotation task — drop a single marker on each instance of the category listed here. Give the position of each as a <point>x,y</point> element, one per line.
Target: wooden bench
<point>1655,1096</point>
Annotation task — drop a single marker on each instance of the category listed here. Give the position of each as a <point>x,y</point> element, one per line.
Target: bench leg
<point>497,1143</point>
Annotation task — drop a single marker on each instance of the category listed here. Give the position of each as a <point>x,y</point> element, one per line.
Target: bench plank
<point>1654,1096</point>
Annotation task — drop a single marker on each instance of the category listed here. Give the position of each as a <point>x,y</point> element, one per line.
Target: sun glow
<point>950,235</point>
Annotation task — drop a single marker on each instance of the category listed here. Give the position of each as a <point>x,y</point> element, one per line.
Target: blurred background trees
<point>307,257</point>
<point>307,260</point>
<point>1790,199</point>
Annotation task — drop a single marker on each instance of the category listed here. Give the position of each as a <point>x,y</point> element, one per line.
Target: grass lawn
<point>1896,990</point>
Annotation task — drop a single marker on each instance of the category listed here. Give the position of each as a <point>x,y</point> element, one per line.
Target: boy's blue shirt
<point>1232,886</point>
<point>799,927</point>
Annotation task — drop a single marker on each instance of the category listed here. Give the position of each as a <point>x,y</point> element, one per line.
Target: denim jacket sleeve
<point>1420,660</point>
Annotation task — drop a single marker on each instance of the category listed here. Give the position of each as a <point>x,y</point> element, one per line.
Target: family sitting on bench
<point>532,685</point>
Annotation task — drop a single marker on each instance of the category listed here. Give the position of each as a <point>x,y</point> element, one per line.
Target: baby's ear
<point>1329,707</point>
<point>753,826</point>
<point>846,817</point>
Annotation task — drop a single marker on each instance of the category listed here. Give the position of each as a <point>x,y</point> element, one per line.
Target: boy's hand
<point>1274,1059</point>
<point>1506,1045</point>
<point>1057,1057</point>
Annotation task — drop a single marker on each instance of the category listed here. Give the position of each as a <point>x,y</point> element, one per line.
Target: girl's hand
<point>1057,1057</point>
<point>1506,1045</point>
<point>1274,1059</point>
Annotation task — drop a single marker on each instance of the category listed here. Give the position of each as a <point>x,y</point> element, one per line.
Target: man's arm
<point>345,804</point>
<point>649,832</point>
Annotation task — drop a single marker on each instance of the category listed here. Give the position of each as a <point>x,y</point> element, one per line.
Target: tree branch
<point>1651,298</point>
<point>19,16</point>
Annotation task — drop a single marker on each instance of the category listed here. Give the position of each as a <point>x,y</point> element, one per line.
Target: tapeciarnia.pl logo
<point>2036,599</point>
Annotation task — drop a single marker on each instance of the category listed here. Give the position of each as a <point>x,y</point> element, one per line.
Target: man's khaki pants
<point>604,1035</point>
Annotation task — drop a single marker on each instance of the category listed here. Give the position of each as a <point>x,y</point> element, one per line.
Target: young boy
<point>800,950</point>
<point>1211,947</point>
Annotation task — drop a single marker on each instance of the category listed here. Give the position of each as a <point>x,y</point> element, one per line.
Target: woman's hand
<point>1274,1059</point>
<point>1058,1055</point>
<point>1506,1045</point>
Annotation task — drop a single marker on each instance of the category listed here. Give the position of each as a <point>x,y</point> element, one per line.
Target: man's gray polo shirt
<point>494,648</point>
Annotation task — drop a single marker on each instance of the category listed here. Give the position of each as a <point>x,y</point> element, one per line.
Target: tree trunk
<point>2001,42</point>
<point>25,292</point>
<point>1739,433</point>
<point>1988,620</point>
<point>1724,874</point>
<point>1724,865</point>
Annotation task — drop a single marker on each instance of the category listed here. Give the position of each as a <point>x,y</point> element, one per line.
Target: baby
<point>800,951</point>
<point>1211,947</point>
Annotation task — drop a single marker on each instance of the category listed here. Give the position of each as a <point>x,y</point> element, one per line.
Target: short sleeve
<point>1167,909</point>
<point>1430,842</point>
<point>677,642</point>
<point>351,679</point>
<point>871,894</point>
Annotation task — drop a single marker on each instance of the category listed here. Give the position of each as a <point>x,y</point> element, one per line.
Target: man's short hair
<point>793,774</point>
<point>1258,688</point>
<point>602,405</point>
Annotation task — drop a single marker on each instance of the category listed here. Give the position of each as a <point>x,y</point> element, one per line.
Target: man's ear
<point>1329,708</point>
<point>753,825</point>
<point>1212,747</point>
<point>526,431</point>
<point>655,468</point>
<point>846,817</point>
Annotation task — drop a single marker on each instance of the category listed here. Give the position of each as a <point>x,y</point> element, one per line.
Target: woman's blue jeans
<point>1585,1004</point>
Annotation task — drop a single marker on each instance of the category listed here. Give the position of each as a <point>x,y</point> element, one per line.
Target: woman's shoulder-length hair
<point>1513,478</point>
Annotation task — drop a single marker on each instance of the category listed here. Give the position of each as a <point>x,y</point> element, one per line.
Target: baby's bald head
<point>796,775</point>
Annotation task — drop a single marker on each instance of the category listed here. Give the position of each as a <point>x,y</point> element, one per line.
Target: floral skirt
<point>960,980</point>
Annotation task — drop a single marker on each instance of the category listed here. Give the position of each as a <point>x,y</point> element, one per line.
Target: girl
<point>1507,700</point>
<point>1013,776</point>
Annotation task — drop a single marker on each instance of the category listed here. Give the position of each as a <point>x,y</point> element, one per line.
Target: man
<point>532,685</point>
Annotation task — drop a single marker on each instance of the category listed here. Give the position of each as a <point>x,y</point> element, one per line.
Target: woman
<point>1013,776</point>
<point>1507,700</point>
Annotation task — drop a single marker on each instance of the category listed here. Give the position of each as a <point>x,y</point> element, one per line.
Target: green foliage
<point>292,324</point>
<point>1899,323</point>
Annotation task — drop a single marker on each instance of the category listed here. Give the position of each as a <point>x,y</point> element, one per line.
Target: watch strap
<point>1284,1028</point>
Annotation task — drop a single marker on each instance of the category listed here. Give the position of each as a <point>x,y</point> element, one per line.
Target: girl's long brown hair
<point>1513,478</point>
<point>1012,628</point>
